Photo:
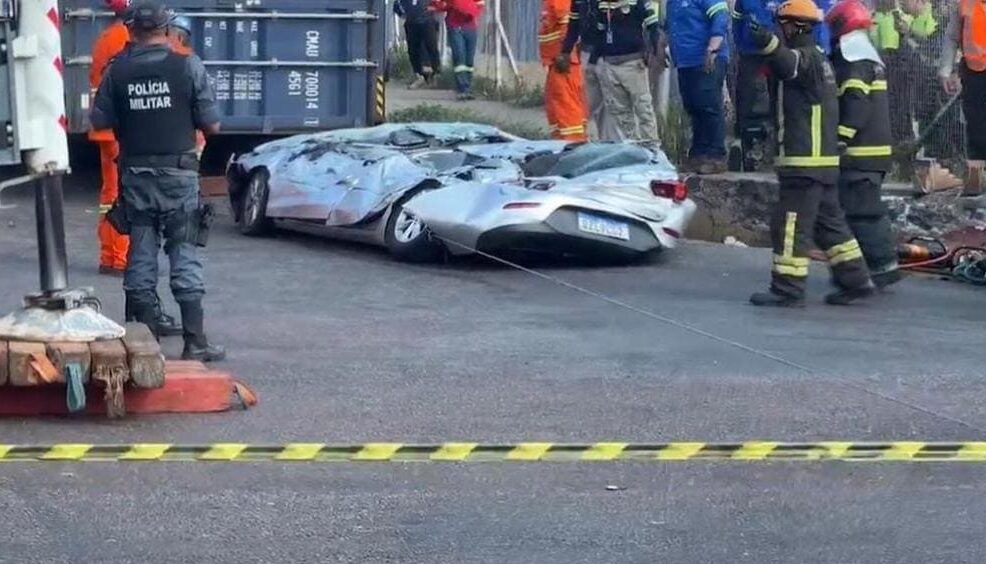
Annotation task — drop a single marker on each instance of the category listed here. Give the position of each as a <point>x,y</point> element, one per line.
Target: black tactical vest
<point>153,103</point>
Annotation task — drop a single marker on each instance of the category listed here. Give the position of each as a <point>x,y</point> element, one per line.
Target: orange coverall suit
<point>564,95</point>
<point>112,245</point>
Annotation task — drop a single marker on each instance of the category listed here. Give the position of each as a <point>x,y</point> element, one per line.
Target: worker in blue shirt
<point>822,35</point>
<point>696,34</point>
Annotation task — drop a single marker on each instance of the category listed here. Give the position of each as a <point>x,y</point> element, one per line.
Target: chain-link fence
<point>909,34</point>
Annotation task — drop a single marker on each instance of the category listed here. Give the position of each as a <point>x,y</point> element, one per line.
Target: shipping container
<point>278,66</point>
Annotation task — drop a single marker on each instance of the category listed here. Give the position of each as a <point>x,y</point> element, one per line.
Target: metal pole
<point>49,213</point>
<point>499,42</point>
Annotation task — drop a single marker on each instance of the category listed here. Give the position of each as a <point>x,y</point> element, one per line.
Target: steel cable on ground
<point>701,332</point>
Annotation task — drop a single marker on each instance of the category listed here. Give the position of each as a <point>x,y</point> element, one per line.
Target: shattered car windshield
<point>585,159</point>
<point>443,161</point>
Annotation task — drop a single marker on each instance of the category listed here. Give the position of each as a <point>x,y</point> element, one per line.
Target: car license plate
<point>597,225</point>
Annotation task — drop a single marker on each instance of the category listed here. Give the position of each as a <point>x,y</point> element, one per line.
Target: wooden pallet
<point>136,359</point>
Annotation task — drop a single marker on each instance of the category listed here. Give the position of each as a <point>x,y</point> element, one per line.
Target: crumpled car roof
<point>443,134</point>
<point>346,177</point>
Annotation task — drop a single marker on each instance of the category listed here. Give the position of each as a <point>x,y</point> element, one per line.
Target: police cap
<point>149,15</point>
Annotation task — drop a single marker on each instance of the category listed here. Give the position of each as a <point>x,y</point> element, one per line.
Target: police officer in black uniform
<point>154,100</point>
<point>808,166</point>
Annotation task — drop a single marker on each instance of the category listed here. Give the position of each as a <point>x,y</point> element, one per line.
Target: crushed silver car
<point>425,189</point>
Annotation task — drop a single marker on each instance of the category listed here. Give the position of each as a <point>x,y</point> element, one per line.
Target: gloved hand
<point>762,37</point>
<point>563,63</point>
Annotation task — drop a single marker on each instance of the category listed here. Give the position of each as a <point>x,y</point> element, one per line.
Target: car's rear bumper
<point>560,234</point>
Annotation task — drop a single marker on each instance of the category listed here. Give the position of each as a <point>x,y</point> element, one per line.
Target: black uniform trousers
<point>866,214</point>
<point>974,108</point>
<point>422,46</point>
<point>756,95</point>
<point>809,210</point>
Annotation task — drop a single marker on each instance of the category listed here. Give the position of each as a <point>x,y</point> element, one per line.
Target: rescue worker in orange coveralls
<point>113,246</point>
<point>564,94</point>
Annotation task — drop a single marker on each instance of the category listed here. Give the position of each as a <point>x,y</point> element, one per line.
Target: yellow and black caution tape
<point>899,451</point>
<point>380,98</point>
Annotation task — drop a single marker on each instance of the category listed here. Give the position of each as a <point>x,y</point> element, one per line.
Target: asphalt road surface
<point>344,345</point>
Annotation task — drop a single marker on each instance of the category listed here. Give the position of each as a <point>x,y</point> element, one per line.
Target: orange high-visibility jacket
<point>555,16</point>
<point>109,43</point>
<point>974,33</point>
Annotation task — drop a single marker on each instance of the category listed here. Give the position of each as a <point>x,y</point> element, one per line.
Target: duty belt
<point>186,161</point>
<point>620,59</point>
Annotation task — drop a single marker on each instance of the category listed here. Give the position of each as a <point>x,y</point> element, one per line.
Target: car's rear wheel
<point>408,239</point>
<point>253,206</point>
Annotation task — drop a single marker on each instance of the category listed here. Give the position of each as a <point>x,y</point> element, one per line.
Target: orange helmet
<point>801,11</point>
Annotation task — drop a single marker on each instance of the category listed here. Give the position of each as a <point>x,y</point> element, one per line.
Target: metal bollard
<point>50,216</point>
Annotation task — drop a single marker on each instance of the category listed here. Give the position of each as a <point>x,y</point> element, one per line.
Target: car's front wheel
<point>408,238</point>
<point>253,205</point>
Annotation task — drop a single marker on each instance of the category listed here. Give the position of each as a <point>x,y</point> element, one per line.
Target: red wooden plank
<point>188,389</point>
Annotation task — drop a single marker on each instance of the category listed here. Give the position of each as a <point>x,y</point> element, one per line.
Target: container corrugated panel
<point>277,66</point>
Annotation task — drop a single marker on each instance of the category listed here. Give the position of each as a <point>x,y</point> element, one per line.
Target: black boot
<point>886,279</point>
<point>846,296</point>
<point>142,311</point>
<point>167,326</point>
<point>773,299</point>
<point>197,347</point>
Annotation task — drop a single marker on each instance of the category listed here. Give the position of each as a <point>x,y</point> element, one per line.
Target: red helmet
<point>117,6</point>
<point>848,16</point>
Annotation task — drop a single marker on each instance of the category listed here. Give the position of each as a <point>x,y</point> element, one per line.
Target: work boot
<point>884,280</point>
<point>167,325</point>
<point>197,347</point>
<point>690,164</point>
<point>773,299</point>
<point>144,312</point>
<point>417,83</point>
<point>846,296</point>
<point>709,165</point>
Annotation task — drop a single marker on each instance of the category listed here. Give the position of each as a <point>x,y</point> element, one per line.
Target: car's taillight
<point>672,232</point>
<point>521,205</point>
<point>670,189</point>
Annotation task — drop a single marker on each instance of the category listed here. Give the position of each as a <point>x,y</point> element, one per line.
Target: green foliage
<point>675,133</point>
<point>440,113</point>
<point>400,63</point>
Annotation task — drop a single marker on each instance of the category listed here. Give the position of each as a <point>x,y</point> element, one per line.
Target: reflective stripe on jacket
<point>808,112</point>
<point>555,19</point>
<point>864,115</point>
<point>690,25</point>
<point>613,28</point>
